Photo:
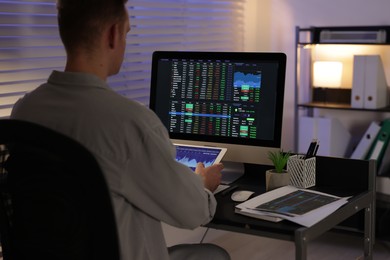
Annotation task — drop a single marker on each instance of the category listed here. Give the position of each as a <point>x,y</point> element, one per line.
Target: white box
<point>375,88</point>
<point>358,81</point>
<point>369,85</point>
<point>331,134</point>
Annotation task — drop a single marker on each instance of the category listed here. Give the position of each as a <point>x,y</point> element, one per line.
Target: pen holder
<point>302,171</point>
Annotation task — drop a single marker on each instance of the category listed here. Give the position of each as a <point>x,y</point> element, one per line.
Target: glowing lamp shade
<point>327,74</point>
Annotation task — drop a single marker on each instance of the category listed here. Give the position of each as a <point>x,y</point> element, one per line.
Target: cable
<point>204,235</point>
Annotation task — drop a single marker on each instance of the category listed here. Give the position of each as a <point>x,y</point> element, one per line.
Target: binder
<point>358,81</point>
<point>375,86</point>
<point>384,168</point>
<point>380,144</point>
<point>369,86</point>
<point>366,141</point>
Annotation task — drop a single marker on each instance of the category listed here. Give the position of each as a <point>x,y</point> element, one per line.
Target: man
<point>130,143</point>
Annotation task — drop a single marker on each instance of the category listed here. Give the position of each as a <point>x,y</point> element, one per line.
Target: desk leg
<point>300,246</point>
<point>369,230</point>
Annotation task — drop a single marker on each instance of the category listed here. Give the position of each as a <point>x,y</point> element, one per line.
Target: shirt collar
<point>76,79</point>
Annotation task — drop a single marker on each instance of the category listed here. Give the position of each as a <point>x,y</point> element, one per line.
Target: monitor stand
<point>232,171</point>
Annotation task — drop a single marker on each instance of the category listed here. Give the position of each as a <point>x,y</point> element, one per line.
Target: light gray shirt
<point>134,151</point>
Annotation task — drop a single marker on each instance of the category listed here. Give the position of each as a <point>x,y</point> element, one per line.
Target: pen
<point>311,149</point>
<point>316,148</point>
<point>231,188</point>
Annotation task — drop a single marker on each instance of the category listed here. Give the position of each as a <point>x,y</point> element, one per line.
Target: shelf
<point>311,100</point>
<point>341,106</point>
<point>377,35</point>
<point>309,43</point>
<point>303,44</point>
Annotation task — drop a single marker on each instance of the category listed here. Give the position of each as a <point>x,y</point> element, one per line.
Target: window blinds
<point>30,47</point>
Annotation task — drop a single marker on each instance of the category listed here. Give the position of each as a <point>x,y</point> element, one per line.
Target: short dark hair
<point>80,21</point>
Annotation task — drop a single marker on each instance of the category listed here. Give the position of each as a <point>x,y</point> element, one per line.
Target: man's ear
<point>113,34</point>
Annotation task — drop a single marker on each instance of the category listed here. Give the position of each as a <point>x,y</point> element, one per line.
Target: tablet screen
<point>190,155</point>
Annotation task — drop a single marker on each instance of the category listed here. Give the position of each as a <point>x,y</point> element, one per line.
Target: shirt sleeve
<point>163,188</point>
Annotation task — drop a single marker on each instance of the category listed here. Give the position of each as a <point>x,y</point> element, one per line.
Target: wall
<point>277,33</point>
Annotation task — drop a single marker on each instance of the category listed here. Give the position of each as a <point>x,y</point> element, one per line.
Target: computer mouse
<point>241,195</point>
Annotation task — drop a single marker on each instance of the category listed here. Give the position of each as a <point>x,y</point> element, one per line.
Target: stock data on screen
<point>209,98</point>
<point>190,156</point>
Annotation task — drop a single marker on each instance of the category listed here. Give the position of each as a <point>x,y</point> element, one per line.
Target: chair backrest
<point>55,203</point>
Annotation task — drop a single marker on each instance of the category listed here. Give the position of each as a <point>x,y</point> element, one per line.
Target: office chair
<point>55,203</point>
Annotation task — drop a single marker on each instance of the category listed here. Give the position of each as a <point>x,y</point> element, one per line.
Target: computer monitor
<point>225,99</point>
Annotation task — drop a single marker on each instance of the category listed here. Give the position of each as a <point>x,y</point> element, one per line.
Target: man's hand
<point>211,175</point>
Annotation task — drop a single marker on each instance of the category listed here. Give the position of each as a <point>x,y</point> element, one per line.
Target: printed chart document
<point>302,206</point>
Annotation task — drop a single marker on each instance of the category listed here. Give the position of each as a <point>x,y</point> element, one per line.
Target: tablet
<point>190,155</point>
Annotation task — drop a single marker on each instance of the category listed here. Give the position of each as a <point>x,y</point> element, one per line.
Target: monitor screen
<point>231,99</point>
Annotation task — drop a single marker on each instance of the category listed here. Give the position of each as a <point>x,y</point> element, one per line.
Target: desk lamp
<point>326,75</point>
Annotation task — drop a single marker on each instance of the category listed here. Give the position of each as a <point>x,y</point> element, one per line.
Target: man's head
<point>86,26</point>
<point>81,21</point>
